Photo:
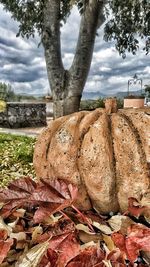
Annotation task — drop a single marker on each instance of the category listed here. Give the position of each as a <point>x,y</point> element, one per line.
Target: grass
<point>16,157</point>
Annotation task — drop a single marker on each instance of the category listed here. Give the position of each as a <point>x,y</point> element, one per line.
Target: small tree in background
<point>147,90</point>
<point>6,91</point>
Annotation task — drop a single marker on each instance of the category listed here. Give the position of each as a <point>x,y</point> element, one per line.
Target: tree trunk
<point>66,106</point>
<point>67,85</point>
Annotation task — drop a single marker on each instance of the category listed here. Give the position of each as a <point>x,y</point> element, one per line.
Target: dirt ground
<point>25,131</point>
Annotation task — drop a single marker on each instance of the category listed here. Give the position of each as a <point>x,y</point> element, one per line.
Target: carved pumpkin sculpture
<point>105,154</point>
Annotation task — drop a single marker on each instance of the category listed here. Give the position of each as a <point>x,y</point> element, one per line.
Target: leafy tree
<point>129,19</point>
<point>3,91</point>
<point>6,92</point>
<point>147,90</point>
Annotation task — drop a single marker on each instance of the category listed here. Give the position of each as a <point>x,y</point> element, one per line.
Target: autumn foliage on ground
<point>40,226</point>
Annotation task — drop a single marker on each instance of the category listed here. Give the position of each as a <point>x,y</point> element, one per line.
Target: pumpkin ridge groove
<point>41,151</point>
<point>113,154</point>
<point>137,138</point>
<point>81,137</point>
<point>96,166</point>
<point>49,142</point>
<point>131,164</point>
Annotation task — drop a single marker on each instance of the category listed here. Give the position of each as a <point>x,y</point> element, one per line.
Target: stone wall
<point>19,115</point>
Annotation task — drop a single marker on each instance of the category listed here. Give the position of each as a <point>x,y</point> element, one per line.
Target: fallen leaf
<point>33,257</point>
<point>109,242</point>
<point>84,228</point>
<point>135,208</point>
<point>19,213</point>
<point>16,195</point>
<point>52,219</point>
<point>103,228</point>
<point>146,257</point>
<point>4,226</point>
<point>25,184</point>
<point>120,223</point>
<point>13,224</point>
<point>68,248</point>
<point>10,206</point>
<point>37,231</point>
<point>3,234</point>
<point>43,213</point>
<point>138,239</point>
<point>116,258</point>
<point>120,242</point>
<point>89,257</point>
<point>4,248</point>
<point>49,259</point>
<point>49,195</point>
<point>18,189</point>
<point>18,236</point>
<point>88,244</point>
<point>86,238</point>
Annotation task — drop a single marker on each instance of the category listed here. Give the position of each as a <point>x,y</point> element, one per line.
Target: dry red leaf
<point>16,195</point>
<point>61,250</point>
<point>63,189</point>
<point>3,234</point>
<point>45,198</point>
<point>61,227</point>
<point>92,217</point>
<point>68,249</point>
<point>52,257</point>
<point>120,241</point>
<point>4,248</point>
<point>52,195</point>
<point>44,212</point>
<point>89,257</point>
<point>18,190</point>
<point>49,259</point>
<point>117,258</point>
<point>9,207</point>
<point>135,208</point>
<point>138,239</point>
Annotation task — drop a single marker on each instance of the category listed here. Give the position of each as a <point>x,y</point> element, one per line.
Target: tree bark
<point>67,85</point>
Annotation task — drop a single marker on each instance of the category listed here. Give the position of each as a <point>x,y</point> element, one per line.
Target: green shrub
<point>99,103</point>
<point>92,104</point>
<point>2,105</point>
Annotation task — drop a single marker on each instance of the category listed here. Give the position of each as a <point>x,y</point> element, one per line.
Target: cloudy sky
<point>22,63</point>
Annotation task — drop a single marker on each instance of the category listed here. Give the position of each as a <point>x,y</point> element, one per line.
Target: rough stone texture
<point>105,154</point>
<point>18,115</point>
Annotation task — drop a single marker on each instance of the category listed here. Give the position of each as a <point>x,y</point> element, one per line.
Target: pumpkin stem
<point>111,105</point>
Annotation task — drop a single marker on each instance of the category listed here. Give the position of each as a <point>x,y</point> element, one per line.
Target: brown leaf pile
<point>39,226</point>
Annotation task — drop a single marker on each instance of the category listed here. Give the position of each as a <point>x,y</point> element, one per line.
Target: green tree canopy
<point>129,19</point>
<point>5,91</point>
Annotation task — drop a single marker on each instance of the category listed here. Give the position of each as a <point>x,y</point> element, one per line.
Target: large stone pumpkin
<point>105,154</point>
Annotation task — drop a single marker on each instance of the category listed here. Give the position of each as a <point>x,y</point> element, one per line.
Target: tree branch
<point>92,18</point>
<point>52,44</point>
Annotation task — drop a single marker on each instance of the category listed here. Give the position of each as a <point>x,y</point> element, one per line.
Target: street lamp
<point>134,80</point>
